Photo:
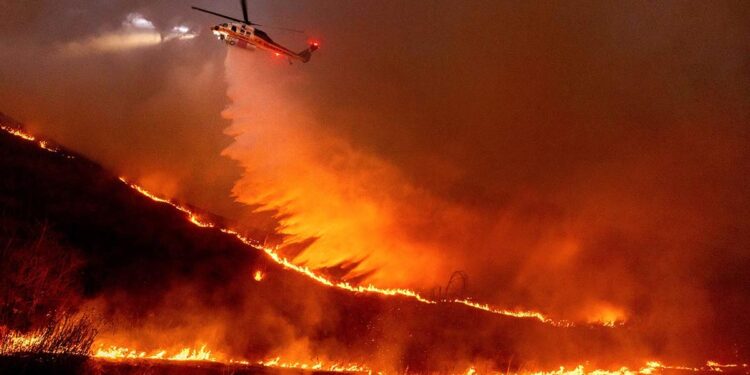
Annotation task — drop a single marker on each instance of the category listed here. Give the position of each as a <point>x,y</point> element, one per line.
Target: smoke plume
<point>585,163</point>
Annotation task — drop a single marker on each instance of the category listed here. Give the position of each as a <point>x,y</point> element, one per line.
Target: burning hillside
<point>447,187</point>
<point>161,281</point>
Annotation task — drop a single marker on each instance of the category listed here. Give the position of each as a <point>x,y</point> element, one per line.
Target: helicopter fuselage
<point>248,37</point>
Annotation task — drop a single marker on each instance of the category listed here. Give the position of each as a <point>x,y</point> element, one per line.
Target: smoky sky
<point>582,158</point>
<point>77,72</point>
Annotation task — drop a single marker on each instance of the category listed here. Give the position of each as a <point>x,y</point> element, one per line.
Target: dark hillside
<point>130,243</point>
<point>156,280</point>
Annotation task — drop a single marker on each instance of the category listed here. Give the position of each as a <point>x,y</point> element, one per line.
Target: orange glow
<point>15,342</point>
<point>716,366</point>
<point>258,275</point>
<point>286,263</point>
<point>192,216</point>
<point>349,201</point>
<point>603,314</point>
<point>117,353</point>
<point>197,220</point>
<point>651,367</point>
<point>317,366</point>
<point>23,135</point>
<point>201,354</point>
<point>517,314</point>
<point>606,314</point>
<point>186,354</point>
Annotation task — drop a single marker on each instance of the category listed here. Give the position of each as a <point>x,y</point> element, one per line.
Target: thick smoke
<point>130,84</point>
<point>588,160</point>
<point>583,160</point>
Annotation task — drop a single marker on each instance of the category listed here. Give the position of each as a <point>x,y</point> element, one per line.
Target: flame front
<point>316,366</point>
<point>14,342</point>
<point>23,135</point>
<point>195,218</point>
<point>118,353</point>
<point>651,367</point>
<point>186,354</point>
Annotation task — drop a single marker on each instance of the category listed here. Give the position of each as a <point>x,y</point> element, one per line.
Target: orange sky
<point>576,158</point>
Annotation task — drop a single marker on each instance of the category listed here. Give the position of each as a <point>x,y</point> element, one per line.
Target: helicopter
<point>243,33</point>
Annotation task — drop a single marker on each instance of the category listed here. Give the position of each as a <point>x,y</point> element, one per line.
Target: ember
<point>258,275</point>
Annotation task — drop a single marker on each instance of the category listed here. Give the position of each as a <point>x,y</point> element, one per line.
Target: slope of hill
<point>150,279</point>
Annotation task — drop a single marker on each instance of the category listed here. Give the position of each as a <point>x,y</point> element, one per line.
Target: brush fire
<point>105,350</point>
<point>537,189</point>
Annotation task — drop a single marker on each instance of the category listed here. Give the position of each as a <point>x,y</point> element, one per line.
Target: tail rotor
<point>307,54</point>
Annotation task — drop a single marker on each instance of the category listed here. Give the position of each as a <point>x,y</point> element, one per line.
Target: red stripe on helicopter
<point>277,49</point>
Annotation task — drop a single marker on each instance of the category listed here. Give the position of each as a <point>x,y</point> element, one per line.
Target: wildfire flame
<point>392,291</point>
<point>651,367</point>
<point>196,219</point>
<point>118,353</point>
<point>186,354</point>
<point>286,263</point>
<point>192,216</point>
<point>23,135</point>
<point>14,342</point>
<point>258,275</point>
<point>317,366</point>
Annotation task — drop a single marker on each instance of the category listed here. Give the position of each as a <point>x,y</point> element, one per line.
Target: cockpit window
<point>234,28</point>
<point>261,34</point>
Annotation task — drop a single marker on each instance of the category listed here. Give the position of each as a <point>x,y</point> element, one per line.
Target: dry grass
<point>65,335</point>
<point>38,293</point>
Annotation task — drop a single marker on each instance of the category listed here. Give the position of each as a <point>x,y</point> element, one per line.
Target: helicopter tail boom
<point>306,54</point>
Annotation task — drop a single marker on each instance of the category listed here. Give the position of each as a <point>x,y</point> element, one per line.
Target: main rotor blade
<point>244,10</point>
<point>223,16</point>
